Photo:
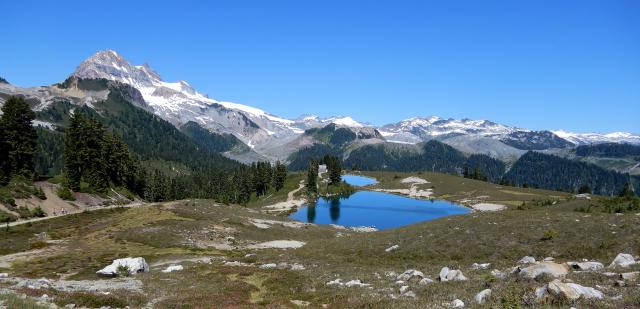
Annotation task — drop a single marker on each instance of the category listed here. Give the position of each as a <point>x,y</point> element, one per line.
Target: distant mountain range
<point>270,137</point>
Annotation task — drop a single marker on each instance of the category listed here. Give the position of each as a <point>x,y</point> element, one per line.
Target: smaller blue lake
<point>377,209</point>
<point>356,180</point>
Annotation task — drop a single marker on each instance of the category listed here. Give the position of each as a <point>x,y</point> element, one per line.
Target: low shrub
<point>65,193</point>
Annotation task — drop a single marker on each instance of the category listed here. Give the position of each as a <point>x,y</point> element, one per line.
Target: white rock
<point>623,260</point>
<point>482,266</point>
<point>392,248</point>
<point>483,296</point>
<point>549,259</point>
<point>411,273</point>
<point>134,265</point>
<point>356,283</point>
<point>425,281</point>
<point>631,276</point>
<point>572,291</point>
<point>268,266</point>
<point>586,266</point>
<point>447,274</point>
<point>456,303</point>
<point>403,289</point>
<point>172,268</point>
<point>527,260</point>
<point>549,268</point>
<point>4,275</point>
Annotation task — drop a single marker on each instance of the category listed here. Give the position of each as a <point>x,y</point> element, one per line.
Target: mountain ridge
<point>275,138</point>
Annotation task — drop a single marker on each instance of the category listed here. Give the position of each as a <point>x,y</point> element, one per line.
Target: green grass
<point>10,300</point>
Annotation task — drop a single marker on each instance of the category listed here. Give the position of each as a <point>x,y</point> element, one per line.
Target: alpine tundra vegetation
<point>122,189</point>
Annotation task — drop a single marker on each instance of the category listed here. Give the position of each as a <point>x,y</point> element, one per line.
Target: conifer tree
<point>280,175</point>
<point>312,177</point>
<point>19,136</point>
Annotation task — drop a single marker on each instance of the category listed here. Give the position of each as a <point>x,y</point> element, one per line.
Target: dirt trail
<point>290,196</point>
<point>134,204</point>
<point>290,203</point>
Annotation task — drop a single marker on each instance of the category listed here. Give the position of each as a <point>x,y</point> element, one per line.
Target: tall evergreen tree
<point>20,136</point>
<point>280,175</point>
<point>73,140</point>
<point>312,177</point>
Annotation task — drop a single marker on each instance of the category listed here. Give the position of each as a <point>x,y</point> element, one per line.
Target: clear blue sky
<point>571,64</point>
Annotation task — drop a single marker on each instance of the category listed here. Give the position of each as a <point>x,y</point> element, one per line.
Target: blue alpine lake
<point>356,180</point>
<point>377,209</point>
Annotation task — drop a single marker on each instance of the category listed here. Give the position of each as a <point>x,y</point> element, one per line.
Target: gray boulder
<point>623,260</point>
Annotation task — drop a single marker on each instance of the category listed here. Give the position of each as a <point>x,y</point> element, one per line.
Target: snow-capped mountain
<point>312,121</point>
<point>596,138</point>
<point>420,129</point>
<point>179,103</point>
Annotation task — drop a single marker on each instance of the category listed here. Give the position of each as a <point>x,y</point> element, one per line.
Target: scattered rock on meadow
<point>483,296</point>
<point>544,268</point>
<point>447,274</point>
<point>623,260</point>
<point>572,291</point>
